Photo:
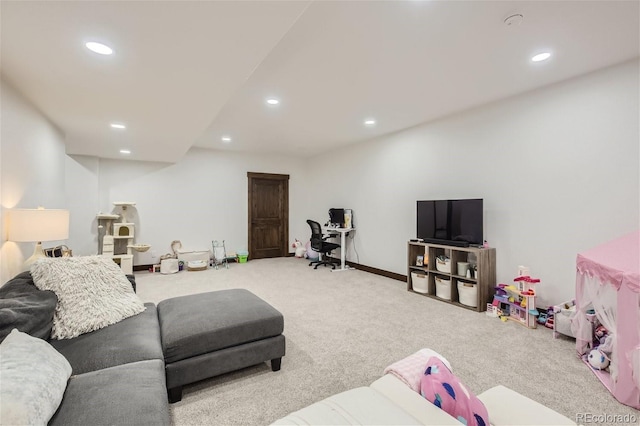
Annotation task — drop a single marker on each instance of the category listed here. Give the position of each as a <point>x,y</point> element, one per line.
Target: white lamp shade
<point>29,225</point>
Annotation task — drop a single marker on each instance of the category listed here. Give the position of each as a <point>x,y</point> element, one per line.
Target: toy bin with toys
<point>443,264</point>
<point>562,316</point>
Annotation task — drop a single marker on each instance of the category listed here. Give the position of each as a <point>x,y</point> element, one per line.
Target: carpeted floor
<point>344,328</point>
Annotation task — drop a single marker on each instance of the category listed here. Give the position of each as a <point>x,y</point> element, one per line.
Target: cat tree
<point>116,239</point>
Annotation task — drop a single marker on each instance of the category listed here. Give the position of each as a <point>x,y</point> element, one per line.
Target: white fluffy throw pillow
<point>92,291</point>
<point>33,376</point>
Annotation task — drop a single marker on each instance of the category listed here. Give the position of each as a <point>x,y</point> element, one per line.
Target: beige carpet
<point>344,328</point>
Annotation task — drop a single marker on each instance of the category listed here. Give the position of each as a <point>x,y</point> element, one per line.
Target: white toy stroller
<point>219,254</point>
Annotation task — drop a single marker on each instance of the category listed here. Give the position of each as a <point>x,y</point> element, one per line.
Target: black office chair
<point>319,244</point>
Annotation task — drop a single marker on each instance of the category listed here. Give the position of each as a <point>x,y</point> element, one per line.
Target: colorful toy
<point>300,251</point>
<point>542,318</point>
<point>600,334</point>
<point>598,360</point>
<point>603,341</point>
<point>492,310</point>
<point>525,284</point>
<point>607,345</point>
<point>551,318</point>
<point>550,322</point>
<point>500,291</point>
<point>517,302</point>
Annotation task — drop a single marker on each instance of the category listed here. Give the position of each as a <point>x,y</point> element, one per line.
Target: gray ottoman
<point>208,334</point>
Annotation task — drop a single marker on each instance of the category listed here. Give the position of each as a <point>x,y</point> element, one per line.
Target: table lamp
<point>37,225</point>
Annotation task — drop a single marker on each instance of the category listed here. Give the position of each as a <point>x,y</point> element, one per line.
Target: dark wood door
<point>268,215</point>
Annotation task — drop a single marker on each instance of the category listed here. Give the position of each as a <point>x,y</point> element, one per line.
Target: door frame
<point>285,204</point>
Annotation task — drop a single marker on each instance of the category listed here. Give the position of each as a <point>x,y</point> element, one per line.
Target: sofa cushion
<point>24,307</point>
<point>33,378</point>
<point>92,291</point>
<point>136,338</point>
<point>441,387</point>
<point>126,394</point>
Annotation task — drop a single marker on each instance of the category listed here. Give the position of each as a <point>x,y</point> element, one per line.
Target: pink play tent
<point>608,281</point>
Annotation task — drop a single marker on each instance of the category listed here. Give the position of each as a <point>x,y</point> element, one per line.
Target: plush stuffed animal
<point>601,334</point>
<point>606,346</point>
<point>300,251</point>
<point>598,360</point>
<point>311,253</point>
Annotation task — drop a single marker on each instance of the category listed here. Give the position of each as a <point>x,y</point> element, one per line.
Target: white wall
<point>82,185</point>
<point>557,169</point>
<point>202,197</point>
<point>32,170</point>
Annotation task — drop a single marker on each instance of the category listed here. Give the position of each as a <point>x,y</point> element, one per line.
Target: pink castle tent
<point>608,281</point>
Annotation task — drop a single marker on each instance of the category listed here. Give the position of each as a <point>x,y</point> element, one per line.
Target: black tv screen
<point>454,222</point>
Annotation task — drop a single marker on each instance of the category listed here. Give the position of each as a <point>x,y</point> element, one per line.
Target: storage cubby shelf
<point>477,290</point>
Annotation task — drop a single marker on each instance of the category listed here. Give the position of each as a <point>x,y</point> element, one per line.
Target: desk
<point>343,245</point>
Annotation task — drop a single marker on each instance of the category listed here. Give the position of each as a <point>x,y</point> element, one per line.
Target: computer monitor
<point>342,218</point>
<point>336,217</point>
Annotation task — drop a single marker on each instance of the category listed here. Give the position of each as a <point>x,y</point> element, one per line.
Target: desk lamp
<point>37,225</point>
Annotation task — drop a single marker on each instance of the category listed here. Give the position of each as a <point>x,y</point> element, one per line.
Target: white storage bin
<point>419,283</point>
<point>443,288</point>
<point>563,314</point>
<point>468,294</point>
<point>443,266</point>
<point>169,266</point>
<point>186,256</point>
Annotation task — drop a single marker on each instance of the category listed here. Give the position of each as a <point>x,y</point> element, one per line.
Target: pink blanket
<point>410,369</point>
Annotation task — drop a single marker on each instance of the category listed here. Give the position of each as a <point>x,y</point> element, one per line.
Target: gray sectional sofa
<point>118,372</point>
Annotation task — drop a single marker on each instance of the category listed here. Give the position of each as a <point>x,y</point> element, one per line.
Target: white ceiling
<point>186,73</point>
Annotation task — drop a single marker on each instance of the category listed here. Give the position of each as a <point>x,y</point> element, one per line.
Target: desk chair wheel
<point>326,263</point>
<point>333,265</point>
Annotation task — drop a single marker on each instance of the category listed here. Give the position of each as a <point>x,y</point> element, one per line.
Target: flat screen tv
<point>450,222</point>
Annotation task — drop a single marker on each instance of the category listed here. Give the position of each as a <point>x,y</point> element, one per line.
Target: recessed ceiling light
<point>125,151</point>
<point>118,126</point>
<point>541,57</point>
<point>100,48</point>
<point>273,101</point>
<point>226,139</point>
<point>369,122</point>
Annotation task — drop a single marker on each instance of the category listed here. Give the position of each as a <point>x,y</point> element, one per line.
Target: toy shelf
<point>434,279</point>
